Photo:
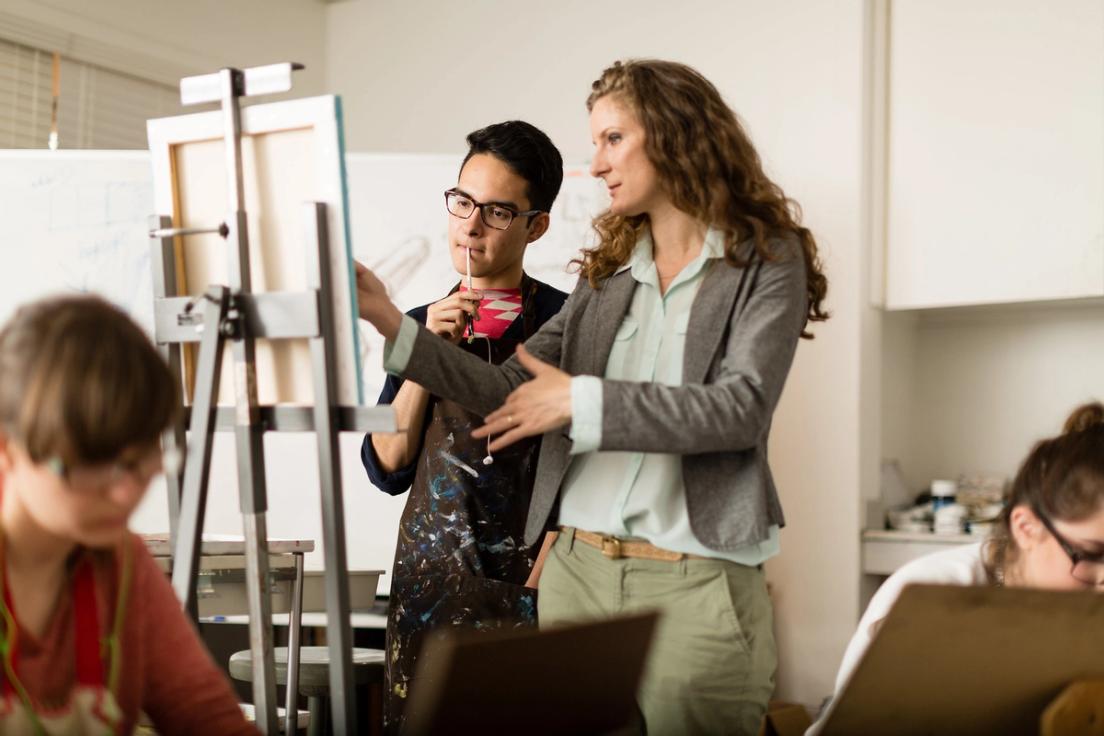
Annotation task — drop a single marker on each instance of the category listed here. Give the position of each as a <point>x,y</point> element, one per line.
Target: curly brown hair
<point>706,165</point>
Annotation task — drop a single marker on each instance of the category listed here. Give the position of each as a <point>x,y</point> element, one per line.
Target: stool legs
<point>319,708</point>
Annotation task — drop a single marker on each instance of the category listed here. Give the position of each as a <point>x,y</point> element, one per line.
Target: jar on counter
<point>947,516</point>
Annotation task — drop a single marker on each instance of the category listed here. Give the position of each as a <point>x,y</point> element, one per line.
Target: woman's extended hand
<point>539,405</point>
<point>373,303</point>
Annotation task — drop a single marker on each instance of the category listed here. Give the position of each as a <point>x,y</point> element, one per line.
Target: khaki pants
<point>711,668</point>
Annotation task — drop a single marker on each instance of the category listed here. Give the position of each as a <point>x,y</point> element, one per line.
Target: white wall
<point>985,385</point>
<point>898,398</point>
<point>419,75</point>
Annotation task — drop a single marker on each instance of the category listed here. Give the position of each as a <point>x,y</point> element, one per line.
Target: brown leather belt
<point>616,548</point>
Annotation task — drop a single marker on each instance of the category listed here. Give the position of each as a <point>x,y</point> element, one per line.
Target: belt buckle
<point>611,547</point>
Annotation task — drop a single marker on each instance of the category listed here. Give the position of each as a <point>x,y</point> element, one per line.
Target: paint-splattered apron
<point>461,559</point>
<point>91,708</point>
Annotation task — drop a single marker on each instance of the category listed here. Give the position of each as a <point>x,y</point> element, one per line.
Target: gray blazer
<point>743,331</point>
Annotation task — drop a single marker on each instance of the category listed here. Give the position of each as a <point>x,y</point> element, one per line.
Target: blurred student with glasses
<point>461,557</point>
<point>91,633</point>
<point>1049,535</point>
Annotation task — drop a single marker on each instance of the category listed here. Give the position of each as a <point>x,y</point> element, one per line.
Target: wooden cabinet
<point>995,152</point>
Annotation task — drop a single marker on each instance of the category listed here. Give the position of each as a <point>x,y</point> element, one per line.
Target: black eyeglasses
<point>493,215</point>
<point>1087,568</point>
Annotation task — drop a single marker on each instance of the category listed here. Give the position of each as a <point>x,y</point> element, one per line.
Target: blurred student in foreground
<point>90,630</point>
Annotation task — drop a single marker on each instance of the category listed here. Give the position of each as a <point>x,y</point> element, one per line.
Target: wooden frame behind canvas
<point>292,152</point>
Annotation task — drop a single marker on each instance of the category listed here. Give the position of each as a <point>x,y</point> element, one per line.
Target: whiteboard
<point>76,221</point>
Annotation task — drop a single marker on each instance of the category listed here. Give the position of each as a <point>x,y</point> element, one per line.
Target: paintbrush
<point>469,318</point>
<point>471,338</point>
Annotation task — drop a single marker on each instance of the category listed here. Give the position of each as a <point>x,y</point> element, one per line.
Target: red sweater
<point>165,670</point>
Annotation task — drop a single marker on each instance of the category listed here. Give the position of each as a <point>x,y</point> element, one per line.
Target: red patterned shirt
<point>497,310</point>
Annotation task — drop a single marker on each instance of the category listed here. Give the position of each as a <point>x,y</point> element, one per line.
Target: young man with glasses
<point>461,559</point>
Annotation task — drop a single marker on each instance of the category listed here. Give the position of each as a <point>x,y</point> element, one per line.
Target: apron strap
<point>10,651</point>
<point>86,627</point>
<point>88,663</point>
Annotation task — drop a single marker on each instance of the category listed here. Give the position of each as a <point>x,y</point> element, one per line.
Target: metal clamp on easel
<point>234,313</point>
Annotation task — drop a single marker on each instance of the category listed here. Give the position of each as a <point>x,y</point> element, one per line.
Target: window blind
<point>98,108</point>
<point>25,82</point>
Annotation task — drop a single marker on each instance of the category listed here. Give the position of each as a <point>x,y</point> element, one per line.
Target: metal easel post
<point>193,501</point>
<point>338,629</point>
<point>295,628</point>
<point>173,440</point>
<point>248,432</point>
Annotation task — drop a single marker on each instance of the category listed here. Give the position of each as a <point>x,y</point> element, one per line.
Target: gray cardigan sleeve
<point>447,371</point>
<point>733,412</point>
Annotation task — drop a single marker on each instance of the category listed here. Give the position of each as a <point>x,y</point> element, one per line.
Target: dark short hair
<point>81,382</point>
<point>529,152</point>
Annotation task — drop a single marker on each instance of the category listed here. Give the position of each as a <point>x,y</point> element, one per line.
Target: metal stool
<point>314,677</point>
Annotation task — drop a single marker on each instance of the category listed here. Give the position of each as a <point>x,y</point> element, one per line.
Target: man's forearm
<point>397,450</point>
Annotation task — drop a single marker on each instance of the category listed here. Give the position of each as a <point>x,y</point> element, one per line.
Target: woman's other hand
<point>539,405</point>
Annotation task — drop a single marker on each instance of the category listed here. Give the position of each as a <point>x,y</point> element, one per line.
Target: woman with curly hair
<point>654,389</point>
